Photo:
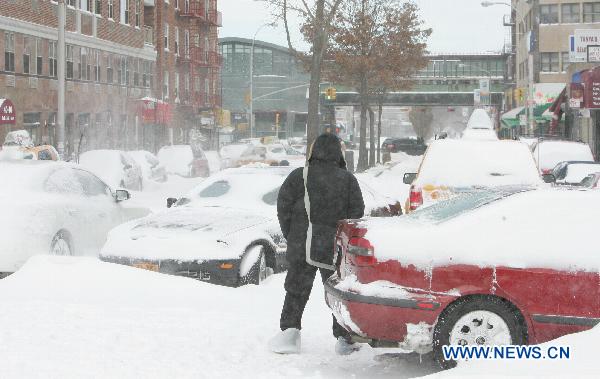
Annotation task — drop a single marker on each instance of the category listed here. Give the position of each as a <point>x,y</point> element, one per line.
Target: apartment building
<point>188,62</point>
<point>109,67</point>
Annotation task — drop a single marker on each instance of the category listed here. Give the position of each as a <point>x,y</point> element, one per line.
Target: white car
<point>549,153</point>
<point>230,154</point>
<point>56,208</point>
<point>225,231</point>
<point>116,168</point>
<point>184,160</point>
<point>150,165</point>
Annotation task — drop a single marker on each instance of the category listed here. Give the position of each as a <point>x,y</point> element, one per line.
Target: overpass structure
<point>415,99</point>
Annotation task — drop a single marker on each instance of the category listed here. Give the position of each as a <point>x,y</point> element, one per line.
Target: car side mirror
<point>548,178</point>
<point>171,201</point>
<point>122,195</point>
<point>409,177</point>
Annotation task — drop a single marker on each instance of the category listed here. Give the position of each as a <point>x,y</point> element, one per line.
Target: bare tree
<point>376,45</point>
<point>317,16</point>
<point>422,120</point>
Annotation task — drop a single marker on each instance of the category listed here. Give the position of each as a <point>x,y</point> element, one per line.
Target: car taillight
<point>415,198</point>
<point>546,171</point>
<point>362,251</point>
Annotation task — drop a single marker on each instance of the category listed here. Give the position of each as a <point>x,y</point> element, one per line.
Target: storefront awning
<point>7,112</point>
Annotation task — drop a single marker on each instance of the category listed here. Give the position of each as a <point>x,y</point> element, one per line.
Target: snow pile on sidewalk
<point>65,317</point>
<point>582,363</point>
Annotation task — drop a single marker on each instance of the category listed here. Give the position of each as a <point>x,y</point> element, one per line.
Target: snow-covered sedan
<point>225,231</point>
<point>478,269</point>
<point>150,165</point>
<point>56,208</point>
<point>114,167</point>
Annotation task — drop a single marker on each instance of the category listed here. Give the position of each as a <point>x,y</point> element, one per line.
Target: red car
<point>487,268</point>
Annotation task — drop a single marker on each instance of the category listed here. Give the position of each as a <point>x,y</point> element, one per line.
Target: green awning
<point>508,123</point>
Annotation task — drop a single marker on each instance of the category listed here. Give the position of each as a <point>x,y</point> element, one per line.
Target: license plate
<point>147,266</point>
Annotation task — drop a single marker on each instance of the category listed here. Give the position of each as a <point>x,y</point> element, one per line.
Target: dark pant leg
<point>338,330</point>
<point>298,284</point>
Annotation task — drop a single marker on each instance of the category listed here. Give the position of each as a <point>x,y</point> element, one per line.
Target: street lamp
<point>530,113</point>
<point>252,76</point>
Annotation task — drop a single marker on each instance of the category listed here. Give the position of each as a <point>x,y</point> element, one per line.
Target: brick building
<point>188,63</point>
<point>115,57</point>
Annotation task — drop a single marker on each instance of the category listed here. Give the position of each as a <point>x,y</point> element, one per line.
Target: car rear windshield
<point>462,203</point>
<point>216,189</point>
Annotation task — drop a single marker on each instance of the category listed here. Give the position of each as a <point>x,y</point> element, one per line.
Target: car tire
<point>461,319</point>
<point>259,271</point>
<point>61,244</point>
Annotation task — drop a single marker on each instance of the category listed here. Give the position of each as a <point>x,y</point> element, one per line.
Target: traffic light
<point>518,94</point>
<point>330,93</point>
<point>277,119</point>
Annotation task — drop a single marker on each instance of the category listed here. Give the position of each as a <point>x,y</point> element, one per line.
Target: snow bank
<point>73,318</point>
<point>525,222</point>
<point>548,154</point>
<point>106,164</point>
<point>461,163</point>
<point>583,362</point>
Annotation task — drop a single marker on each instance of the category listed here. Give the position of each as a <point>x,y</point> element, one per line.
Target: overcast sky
<point>462,26</point>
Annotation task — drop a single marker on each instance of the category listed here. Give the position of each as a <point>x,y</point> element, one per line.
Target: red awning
<point>154,111</point>
<point>7,112</point>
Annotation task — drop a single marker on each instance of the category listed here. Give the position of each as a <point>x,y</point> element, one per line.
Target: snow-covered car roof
<point>19,175</point>
<point>476,227</point>
<point>576,172</point>
<point>463,163</point>
<point>177,158</point>
<point>254,188</point>
<point>548,154</point>
<point>233,151</point>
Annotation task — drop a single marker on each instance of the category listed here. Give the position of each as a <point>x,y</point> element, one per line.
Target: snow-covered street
<point>68,317</point>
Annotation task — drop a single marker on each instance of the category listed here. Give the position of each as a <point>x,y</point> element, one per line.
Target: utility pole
<point>60,119</point>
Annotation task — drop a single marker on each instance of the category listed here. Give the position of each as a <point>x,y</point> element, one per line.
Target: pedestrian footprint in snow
<point>326,192</point>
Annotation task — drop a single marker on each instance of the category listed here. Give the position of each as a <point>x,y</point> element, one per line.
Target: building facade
<point>118,62</point>
<point>279,85</point>
<point>188,63</point>
<point>109,66</point>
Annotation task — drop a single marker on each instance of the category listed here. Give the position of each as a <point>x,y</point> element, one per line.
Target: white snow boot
<point>343,347</point>
<point>286,342</point>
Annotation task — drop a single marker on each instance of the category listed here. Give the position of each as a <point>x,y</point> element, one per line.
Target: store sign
<point>582,39</point>
<point>593,53</point>
<point>7,112</point>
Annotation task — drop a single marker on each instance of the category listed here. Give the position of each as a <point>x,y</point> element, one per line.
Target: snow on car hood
<point>549,153</point>
<point>187,233</point>
<point>526,229</point>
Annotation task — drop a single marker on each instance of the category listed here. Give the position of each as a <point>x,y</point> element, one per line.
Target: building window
<point>72,3</point>
<point>69,62</point>
<point>98,7</point>
<point>549,14</point>
<point>570,13</point>
<point>96,66</point>
<point>39,62</point>
<point>128,67</point>
<point>165,92</point>
<point>9,52</point>
<point>166,36</point>
<point>186,43</point>
<point>26,55</point>
<point>136,73</point>
<point>565,60</point>
<point>84,67</point>
<point>122,71</point>
<point>138,7</point>
<point>52,61</point>
<point>145,74</point>
<point>124,12</point>
<point>186,84</point>
<point>176,86</point>
<point>109,69</point>
<point>591,12</point>
<point>549,62</point>
<point>111,9</point>
<point>176,41</point>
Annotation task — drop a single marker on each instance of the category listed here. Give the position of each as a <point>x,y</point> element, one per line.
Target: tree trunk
<point>363,159</point>
<point>318,49</point>
<point>371,137</point>
<point>380,111</point>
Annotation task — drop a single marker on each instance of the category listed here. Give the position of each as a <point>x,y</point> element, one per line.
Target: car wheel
<point>60,244</point>
<point>259,271</point>
<point>478,320</point>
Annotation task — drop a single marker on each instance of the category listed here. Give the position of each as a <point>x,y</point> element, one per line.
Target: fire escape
<point>199,57</point>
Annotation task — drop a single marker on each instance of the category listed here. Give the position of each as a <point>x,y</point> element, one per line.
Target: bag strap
<point>310,228</point>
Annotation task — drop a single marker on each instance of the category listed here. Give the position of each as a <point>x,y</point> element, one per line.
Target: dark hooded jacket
<point>334,195</point>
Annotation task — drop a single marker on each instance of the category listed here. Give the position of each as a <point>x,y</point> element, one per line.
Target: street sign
<point>477,96</point>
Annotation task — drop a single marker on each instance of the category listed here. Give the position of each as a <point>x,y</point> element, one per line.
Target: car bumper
<point>383,321</point>
<point>211,271</point>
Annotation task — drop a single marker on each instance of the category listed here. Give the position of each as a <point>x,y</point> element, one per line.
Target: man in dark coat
<point>333,195</point>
